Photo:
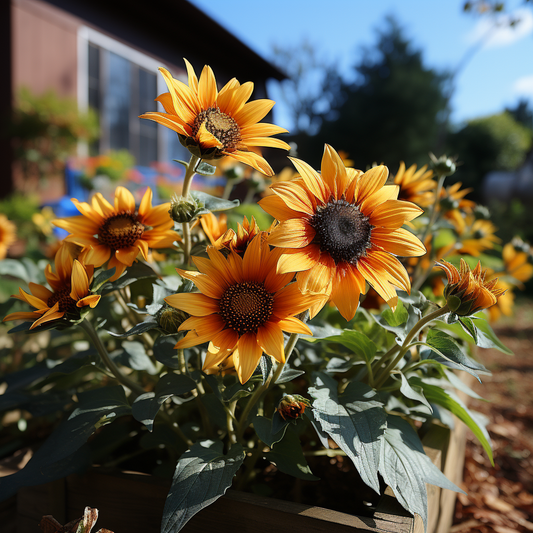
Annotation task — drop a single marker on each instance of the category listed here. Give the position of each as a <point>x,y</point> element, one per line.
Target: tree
<point>391,112</point>
<point>496,142</point>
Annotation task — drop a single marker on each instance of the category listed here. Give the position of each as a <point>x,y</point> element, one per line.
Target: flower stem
<point>291,343</point>
<point>186,226</point>
<point>98,344</point>
<point>382,377</point>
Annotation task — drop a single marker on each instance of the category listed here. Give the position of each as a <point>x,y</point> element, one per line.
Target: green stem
<point>230,417</point>
<point>182,362</point>
<point>227,189</point>
<point>418,280</point>
<point>382,377</point>
<point>291,343</point>
<point>95,339</point>
<point>186,226</point>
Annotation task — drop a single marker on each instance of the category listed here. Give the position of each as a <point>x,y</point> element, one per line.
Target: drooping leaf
<point>355,341</point>
<point>101,278</point>
<point>165,353</point>
<point>203,474</point>
<point>406,468</point>
<point>146,406</point>
<point>148,324</point>
<point>413,392</point>
<point>448,400</point>
<point>15,269</point>
<point>403,328</point>
<point>288,374</point>
<point>134,356</point>
<point>486,336</point>
<point>397,317</point>
<point>57,455</point>
<point>355,420</point>
<point>288,456</point>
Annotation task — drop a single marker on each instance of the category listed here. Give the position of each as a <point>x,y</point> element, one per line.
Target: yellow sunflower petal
<point>293,233</point>
<point>312,179</point>
<point>91,300</point>
<point>270,339</point>
<point>80,282</point>
<point>292,324</point>
<point>207,88</point>
<point>194,303</point>
<point>124,200</point>
<point>247,358</point>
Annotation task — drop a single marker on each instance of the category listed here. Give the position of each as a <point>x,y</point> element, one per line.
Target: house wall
<point>44,48</point>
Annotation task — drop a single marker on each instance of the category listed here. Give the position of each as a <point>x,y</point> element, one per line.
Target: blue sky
<point>498,73</point>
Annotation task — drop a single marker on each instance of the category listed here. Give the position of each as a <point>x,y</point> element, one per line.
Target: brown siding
<point>44,48</point>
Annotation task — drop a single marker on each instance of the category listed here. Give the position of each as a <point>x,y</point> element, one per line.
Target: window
<point>120,84</point>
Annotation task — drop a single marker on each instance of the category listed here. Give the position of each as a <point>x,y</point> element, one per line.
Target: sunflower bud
<point>292,407</point>
<point>170,319</point>
<point>467,291</point>
<point>182,209</point>
<point>443,165</point>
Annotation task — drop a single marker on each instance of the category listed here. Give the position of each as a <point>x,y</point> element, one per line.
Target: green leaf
<point>205,169</point>
<point>406,468</point>
<point>359,343</point>
<point>397,317</point>
<point>445,346</point>
<point>413,392</point>
<point>263,428</point>
<point>203,474</point>
<point>15,269</point>
<point>288,374</point>
<point>486,336</point>
<point>355,421</point>
<point>265,364</point>
<point>149,324</point>
<point>215,408</point>
<point>101,278</point>
<point>58,453</point>
<point>402,330</point>
<point>146,406</point>
<point>469,327</point>
<point>441,397</point>
<point>288,456</point>
<point>212,203</point>
<point>133,273</point>
<point>165,353</point>
<point>134,356</point>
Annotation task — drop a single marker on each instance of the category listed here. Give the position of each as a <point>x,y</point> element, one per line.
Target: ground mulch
<point>500,498</point>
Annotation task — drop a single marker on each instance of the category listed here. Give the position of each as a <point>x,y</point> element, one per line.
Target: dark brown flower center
<point>342,231</point>
<point>120,231</point>
<point>222,126</point>
<point>66,303</point>
<point>246,306</point>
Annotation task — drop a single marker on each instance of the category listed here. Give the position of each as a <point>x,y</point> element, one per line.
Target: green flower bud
<point>444,165</point>
<point>182,209</point>
<point>170,319</point>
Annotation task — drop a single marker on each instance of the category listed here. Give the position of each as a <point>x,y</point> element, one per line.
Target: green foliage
<point>46,129</point>
<point>391,112</point>
<point>496,142</point>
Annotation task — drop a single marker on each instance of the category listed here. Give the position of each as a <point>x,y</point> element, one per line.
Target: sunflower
<point>212,124</point>
<point>8,235</point>
<point>70,292</point>
<point>239,241</point>
<point>341,228</point>
<point>214,227</point>
<point>517,261</point>
<point>478,237</point>
<point>454,205</point>
<point>119,233</point>
<point>468,291</point>
<point>416,186</point>
<point>243,308</point>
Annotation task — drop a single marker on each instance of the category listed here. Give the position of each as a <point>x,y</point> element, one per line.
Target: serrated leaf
<point>58,453</point>
<point>355,420</point>
<point>406,468</point>
<point>203,474</point>
<point>439,396</point>
<point>146,406</point>
<point>355,341</point>
<point>288,456</point>
<point>212,203</point>
<point>266,432</point>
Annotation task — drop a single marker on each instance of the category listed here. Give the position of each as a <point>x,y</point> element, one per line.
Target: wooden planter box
<point>133,503</point>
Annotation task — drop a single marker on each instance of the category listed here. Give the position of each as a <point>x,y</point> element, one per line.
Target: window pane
<point>148,128</point>
<point>117,101</point>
